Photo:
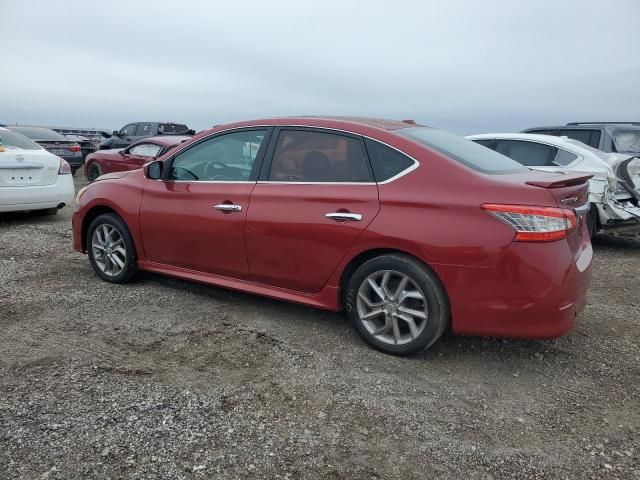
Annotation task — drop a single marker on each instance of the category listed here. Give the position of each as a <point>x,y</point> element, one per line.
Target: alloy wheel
<point>109,250</point>
<point>392,307</point>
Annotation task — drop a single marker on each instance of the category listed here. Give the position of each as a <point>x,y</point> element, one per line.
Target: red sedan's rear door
<point>318,195</point>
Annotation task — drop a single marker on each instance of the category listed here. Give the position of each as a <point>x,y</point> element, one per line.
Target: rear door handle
<point>343,216</point>
<point>228,207</point>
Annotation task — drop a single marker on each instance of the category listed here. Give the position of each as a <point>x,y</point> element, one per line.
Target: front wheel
<point>111,250</point>
<point>397,305</point>
<point>93,171</point>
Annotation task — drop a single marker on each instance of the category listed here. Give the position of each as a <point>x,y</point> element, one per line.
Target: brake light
<point>64,169</point>
<point>74,148</point>
<point>535,224</point>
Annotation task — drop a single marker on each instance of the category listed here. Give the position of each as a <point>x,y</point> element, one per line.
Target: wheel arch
<point>367,255</point>
<point>93,213</point>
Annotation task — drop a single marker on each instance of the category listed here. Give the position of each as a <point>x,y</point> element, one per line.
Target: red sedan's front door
<point>318,196</point>
<point>195,218</point>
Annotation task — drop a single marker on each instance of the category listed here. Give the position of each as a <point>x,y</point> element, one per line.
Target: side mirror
<point>154,170</point>
<point>191,132</point>
<point>116,133</point>
<point>122,153</point>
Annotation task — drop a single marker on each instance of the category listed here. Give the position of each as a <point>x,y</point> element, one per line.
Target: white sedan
<point>614,190</point>
<point>32,178</point>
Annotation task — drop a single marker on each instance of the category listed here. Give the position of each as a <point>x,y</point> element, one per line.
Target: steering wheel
<point>213,170</point>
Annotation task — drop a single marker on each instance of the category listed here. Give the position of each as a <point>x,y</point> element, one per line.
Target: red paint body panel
<point>282,246</point>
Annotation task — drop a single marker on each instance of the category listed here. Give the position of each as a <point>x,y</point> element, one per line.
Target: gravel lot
<point>169,379</point>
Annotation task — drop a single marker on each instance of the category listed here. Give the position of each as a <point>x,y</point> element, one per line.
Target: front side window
<point>462,150</point>
<point>228,157</point>
<point>386,161</point>
<point>311,156</point>
<point>129,130</point>
<point>145,150</point>
<point>530,154</point>
<point>144,130</point>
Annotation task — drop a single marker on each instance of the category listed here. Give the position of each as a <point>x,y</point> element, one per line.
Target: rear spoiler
<point>559,181</point>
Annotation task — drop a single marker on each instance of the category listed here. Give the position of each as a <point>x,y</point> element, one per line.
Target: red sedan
<point>409,229</point>
<point>130,158</point>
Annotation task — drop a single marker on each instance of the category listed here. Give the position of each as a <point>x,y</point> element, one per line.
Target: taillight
<point>74,148</point>
<point>64,169</point>
<point>535,224</point>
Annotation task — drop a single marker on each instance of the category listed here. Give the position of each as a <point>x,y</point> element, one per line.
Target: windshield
<point>465,151</point>
<point>14,140</point>
<point>626,140</point>
<point>39,133</point>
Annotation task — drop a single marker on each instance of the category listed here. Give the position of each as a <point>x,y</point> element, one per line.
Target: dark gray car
<point>54,143</point>
<point>137,131</point>
<point>617,137</point>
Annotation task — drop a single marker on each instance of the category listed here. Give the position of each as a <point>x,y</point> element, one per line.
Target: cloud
<point>463,66</point>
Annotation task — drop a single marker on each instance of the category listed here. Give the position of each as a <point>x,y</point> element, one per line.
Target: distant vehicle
<point>614,190</point>
<point>31,178</point>
<point>87,146</point>
<point>137,131</point>
<point>54,143</point>
<point>408,228</point>
<point>130,158</point>
<point>615,137</point>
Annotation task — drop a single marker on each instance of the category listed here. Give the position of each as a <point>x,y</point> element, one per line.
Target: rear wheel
<point>111,250</point>
<point>93,171</point>
<point>397,304</point>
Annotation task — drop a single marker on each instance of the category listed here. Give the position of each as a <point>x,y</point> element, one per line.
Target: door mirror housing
<point>115,133</point>
<point>154,170</point>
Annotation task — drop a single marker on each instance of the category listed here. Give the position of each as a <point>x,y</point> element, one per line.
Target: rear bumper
<point>15,199</point>
<point>534,291</point>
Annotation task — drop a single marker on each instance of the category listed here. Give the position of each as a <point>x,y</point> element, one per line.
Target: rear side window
<point>588,137</point>
<point>564,158</point>
<point>462,150</point>
<point>530,154</point>
<point>386,161</point>
<point>311,156</point>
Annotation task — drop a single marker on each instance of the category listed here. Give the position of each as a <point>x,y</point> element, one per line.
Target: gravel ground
<point>164,378</point>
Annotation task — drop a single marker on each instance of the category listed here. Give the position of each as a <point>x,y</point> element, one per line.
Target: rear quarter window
<point>462,150</point>
<point>386,161</point>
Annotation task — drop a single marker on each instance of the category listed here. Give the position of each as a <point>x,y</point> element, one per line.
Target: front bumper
<point>40,197</point>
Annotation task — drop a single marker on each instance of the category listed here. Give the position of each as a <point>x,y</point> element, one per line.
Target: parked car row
<point>615,187</point>
<point>409,229</point>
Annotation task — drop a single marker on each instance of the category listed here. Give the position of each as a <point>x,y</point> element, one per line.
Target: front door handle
<point>344,216</point>
<point>228,207</point>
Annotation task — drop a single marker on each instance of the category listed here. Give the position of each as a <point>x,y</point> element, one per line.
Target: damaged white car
<point>614,189</point>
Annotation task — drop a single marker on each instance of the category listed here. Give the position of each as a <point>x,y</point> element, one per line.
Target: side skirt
<point>326,299</point>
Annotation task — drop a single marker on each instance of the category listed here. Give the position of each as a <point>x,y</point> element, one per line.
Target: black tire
<point>130,267</point>
<point>73,171</point>
<point>93,172</point>
<point>592,221</point>
<point>46,212</point>
<point>437,304</point>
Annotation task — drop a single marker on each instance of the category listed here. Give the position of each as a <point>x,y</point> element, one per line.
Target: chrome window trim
<point>404,172</point>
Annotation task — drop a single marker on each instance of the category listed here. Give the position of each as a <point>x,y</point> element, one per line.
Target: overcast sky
<point>465,66</point>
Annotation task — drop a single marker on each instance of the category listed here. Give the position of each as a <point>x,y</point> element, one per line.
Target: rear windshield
<point>13,140</point>
<point>465,151</point>
<point>172,128</point>
<point>39,133</point>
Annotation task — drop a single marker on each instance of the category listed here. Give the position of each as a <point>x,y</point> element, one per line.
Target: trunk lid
<point>26,168</point>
